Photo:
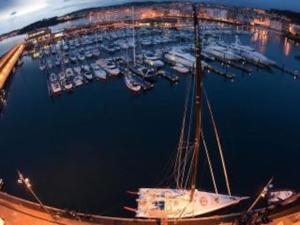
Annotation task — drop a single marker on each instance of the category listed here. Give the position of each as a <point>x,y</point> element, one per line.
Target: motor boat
<point>131,83</point>
<point>85,68</point>
<point>55,87</point>
<point>99,73</point>
<point>66,60</point>
<point>180,68</point>
<point>78,81</point>
<point>88,75</point>
<point>73,58</point>
<point>42,66</point>
<point>61,75</point>
<point>153,60</point>
<point>109,66</point>
<point>77,70</point>
<point>168,75</point>
<point>88,54</point>
<point>68,85</point>
<point>221,52</point>
<point>96,52</point>
<point>69,72</point>
<point>176,57</point>
<point>81,57</point>
<point>250,53</point>
<point>53,77</point>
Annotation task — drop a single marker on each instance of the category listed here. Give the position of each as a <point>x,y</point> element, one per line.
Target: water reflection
<point>260,37</point>
<point>286,47</point>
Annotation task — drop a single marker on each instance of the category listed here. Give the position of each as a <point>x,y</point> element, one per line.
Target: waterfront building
<point>294,29</point>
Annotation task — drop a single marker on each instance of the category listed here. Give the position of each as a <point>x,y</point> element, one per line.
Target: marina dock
<point>283,69</point>
<point>8,63</point>
<point>220,73</point>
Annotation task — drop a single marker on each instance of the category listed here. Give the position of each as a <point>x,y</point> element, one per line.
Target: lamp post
<point>27,184</point>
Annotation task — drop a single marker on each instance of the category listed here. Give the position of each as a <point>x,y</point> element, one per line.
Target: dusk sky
<point>15,14</point>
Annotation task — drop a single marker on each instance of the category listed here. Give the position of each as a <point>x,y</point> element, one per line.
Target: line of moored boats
<point>77,60</point>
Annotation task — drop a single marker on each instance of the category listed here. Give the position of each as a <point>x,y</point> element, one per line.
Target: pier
<point>283,69</point>
<point>18,211</point>
<point>8,63</point>
<point>220,73</point>
<point>233,64</point>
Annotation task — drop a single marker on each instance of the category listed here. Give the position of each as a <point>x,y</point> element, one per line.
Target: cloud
<point>22,8</point>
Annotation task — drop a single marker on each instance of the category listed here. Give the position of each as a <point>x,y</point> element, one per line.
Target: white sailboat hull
<point>177,203</point>
<point>131,85</point>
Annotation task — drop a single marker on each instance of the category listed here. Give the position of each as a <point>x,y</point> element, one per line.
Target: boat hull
<point>177,203</point>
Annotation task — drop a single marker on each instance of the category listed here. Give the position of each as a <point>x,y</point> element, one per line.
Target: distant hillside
<point>39,24</point>
<point>43,23</point>
<point>144,3</point>
<point>294,16</point>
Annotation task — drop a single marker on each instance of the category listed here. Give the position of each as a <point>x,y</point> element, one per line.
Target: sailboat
<point>186,200</point>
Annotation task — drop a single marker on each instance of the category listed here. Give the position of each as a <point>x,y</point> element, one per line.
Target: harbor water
<point>85,149</point>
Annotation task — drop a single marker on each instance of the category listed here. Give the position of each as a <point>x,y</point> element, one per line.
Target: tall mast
<point>198,100</point>
<point>133,35</point>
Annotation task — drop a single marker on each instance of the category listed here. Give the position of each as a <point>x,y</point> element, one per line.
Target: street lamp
<point>27,184</point>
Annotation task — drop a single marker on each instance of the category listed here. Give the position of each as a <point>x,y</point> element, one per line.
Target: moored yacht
<point>85,68</point>
<point>68,85</point>
<point>250,53</point>
<point>176,57</point>
<point>218,51</point>
<point>55,87</point>
<point>88,75</point>
<point>69,72</point>
<point>109,66</point>
<point>131,83</point>
<point>78,81</point>
<point>77,70</point>
<point>88,54</point>
<point>180,68</point>
<point>61,76</point>
<point>147,73</point>
<point>96,52</point>
<point>53,77</point>
<point>66,60</point>
<point>73,58</point>
<point>152,60</point>
<point>168,75</point>
<point>99,73</point>
<point>42,66</point>
<point>81,57</point>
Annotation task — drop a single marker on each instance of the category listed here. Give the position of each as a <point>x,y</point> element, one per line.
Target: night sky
<point>15,14</point>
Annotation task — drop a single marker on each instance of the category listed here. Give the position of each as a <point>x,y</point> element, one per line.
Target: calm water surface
<point>86,149</point>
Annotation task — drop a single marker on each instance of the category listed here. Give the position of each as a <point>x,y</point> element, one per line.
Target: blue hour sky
<point>15,14</point>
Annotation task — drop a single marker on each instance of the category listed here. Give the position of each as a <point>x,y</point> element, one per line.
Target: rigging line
<point>218,142</point>
<point>187,146</point>
<point>167,172</point>
<point>182,133</point>
<point>209,164</point>
<point>190,168</point>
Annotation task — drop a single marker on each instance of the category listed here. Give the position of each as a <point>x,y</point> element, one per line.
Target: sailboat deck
<point>177,203</point>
